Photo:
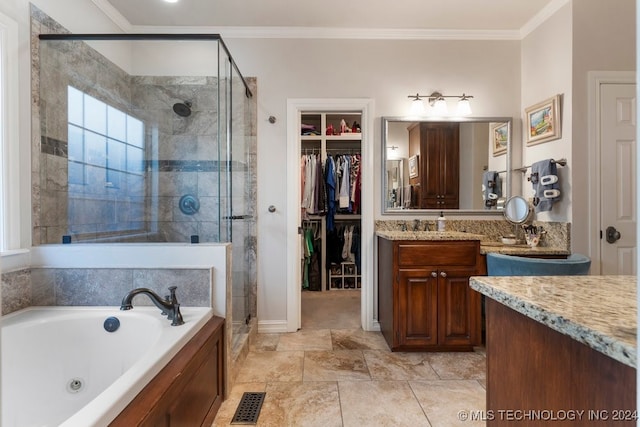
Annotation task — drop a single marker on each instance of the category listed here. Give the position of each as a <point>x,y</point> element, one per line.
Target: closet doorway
<point>330,215</point>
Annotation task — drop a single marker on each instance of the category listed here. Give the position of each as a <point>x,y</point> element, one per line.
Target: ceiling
<point>459,15</point>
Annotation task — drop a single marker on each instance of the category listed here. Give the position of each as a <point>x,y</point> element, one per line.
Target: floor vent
<point>249,408</point>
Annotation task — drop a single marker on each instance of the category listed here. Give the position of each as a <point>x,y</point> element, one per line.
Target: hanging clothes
<point>356,247</point>
<point>330,180</point>
<point>308,251</point>
<point>320,192</point>
<point>310,168</point>
<point>345,179</point>
<point>355,187</point>
<point>346,248</point>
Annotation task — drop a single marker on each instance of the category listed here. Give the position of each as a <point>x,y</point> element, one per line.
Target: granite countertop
<point>428,235</point>
<point>485,246</point>
<point>599,311</point>
<point>501,248</point>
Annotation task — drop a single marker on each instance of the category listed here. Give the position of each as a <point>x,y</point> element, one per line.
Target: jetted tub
<point>61,367</point>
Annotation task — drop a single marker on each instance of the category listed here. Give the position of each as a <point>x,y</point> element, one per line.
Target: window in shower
<point>105,163</point>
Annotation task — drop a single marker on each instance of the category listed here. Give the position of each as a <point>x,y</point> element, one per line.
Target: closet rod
<point>344,150</point>
<point>561,162</point>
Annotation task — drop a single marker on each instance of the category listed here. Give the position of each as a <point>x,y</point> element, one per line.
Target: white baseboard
<point>272,326</point>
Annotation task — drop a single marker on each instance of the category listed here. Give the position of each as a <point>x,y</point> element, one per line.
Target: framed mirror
<point>454,164</point>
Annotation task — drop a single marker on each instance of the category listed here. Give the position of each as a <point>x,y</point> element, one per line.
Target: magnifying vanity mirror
<point>517,210</point>
<point>453,164</point>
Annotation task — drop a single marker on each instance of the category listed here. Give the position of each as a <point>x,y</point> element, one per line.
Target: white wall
<point>547,71</point>
<point>386,71</point>
<point>503,76</point>
<point>603,40</point>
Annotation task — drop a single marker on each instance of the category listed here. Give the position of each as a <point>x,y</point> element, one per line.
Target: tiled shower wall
<point>181,152</point>
<point>101,287</point>
<point>186,149</point>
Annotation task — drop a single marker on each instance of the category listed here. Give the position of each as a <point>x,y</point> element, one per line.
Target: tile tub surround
<point>106,287</point>
<point>599,311</point>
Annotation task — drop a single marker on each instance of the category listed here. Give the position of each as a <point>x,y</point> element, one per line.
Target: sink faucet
<point>169,306</point>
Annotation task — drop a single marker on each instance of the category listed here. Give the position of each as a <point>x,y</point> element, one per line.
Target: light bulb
<point>464,107</point>
<point>440,107</point>
<point>417,107</point>
<point>171,1</point>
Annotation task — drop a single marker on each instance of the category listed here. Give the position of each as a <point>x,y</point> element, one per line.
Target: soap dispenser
<point>442,222</point>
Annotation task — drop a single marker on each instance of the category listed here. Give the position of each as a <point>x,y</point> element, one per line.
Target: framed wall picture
<point>543,122</point>
<point>499,134</point>
<point>413,166</point>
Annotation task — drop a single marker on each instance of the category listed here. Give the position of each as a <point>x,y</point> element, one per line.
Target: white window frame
<point>10,203</point>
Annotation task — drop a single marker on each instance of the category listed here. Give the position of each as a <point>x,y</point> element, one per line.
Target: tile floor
<point>332,373</point>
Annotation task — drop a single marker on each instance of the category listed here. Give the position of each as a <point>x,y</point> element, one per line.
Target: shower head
<point>182,109</point>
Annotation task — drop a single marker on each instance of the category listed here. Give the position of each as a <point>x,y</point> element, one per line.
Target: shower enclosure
<point>147,138</point>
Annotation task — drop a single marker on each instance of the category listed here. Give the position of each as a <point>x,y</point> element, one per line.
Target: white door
<point>618,178</point>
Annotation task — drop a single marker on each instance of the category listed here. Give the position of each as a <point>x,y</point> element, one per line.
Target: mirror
<point>457,164</point>
<point>517,210</point>
<point>395,184</point>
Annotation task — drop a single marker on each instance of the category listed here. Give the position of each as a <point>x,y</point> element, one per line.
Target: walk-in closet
<point>330,200</point>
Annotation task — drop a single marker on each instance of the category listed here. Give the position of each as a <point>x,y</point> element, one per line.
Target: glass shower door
<point>238,190</point>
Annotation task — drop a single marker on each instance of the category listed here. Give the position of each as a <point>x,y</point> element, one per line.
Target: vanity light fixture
<point>171,1</point>
<point>464,106</point>
<point>438,104</point>
<point>417,106</point>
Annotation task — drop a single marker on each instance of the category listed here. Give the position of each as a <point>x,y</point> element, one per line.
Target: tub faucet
<point>169,306</point>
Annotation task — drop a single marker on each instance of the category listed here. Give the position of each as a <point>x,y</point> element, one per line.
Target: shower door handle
<point>232,217</point>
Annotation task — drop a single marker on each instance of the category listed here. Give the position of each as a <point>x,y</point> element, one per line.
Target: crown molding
<point>544,14</point>
<point>336,33</point>
<point>115,16</point>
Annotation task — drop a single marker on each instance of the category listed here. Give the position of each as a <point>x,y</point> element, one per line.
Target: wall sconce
<point>439,104</point>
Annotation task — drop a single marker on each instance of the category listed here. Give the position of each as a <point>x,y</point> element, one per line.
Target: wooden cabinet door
<point>417,308</point>
<point>440,162</point>
<point>458,308</point>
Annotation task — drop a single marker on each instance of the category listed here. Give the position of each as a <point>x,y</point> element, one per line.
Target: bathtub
<point>61,367</point>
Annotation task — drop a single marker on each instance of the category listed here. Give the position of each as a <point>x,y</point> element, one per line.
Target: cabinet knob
<point>434,274</point>
<point>443,274</point>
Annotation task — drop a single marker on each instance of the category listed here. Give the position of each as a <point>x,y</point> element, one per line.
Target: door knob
<point>434,274</point>
<point>443,274</point>
<point>612,234</point>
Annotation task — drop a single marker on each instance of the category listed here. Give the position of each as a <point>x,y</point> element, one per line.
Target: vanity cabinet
<point>425,302</point>
<point>437,184</point>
